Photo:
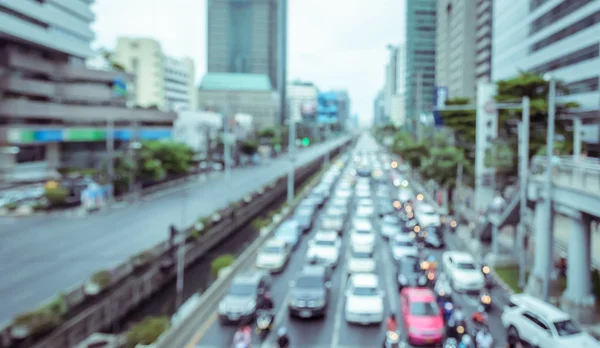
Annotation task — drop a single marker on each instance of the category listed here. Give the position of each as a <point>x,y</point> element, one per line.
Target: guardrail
<point>137,279</point>
<point>580,175</point>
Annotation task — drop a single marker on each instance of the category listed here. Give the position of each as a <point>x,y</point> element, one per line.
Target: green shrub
<point>102,279</point>
<point>56,196</point>
<point>45,318</point>
<point>221,262</point>
<point>147,331</point>
<point>37,206</point>
<point>259,223</point>
<point>11,206</point>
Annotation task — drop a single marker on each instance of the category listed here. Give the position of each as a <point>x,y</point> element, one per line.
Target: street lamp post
<point>180,241</point>
<point>292,154</point>
<point>523,176</point>
<point>110,150</point>
<point>548,179</point>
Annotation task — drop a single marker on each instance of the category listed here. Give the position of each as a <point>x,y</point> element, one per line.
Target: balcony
<point>482,56</point>
<point>57,90</point>
<point>486,16</point>
<point>32,63</point>
<point>481,44</point>
<point>481,69</point>
<point>23,109</point>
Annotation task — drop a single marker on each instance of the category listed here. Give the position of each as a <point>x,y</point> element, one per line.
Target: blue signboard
<point>327,108</point>
<point>119,87</point>
<point>123,134</point>
<point>158,134</point>
<point>440,97</point>
<point>48,135</point>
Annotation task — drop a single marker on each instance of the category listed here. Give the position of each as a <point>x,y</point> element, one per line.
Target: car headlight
<point>486,269</point>
<point>486,299</point>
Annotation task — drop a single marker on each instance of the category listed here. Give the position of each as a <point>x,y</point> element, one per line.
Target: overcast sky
<point>334,43</point>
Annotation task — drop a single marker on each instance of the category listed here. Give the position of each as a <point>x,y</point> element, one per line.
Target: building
<point>162,81</point>
<point>483,40</point>
<point>391,79</point>
<point>420,57</point>
<point>395,85</point>
<point>242,37</point>
<point>54,111</point>
<point>455,47</point>
<point>379,117</point>
<point>343,104</point>
<point>302,101</point>
<point>231,94</point>
<point>561,37</point>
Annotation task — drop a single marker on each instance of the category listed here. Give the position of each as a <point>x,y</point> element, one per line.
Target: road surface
<point>42,256</point>
<point>333,330</point>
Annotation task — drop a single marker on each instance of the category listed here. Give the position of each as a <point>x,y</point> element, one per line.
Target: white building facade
<point>557,36</point>
<point>170,87</point>
<point>301,94</point>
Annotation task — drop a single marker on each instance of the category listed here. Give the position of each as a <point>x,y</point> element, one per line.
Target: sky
<point>337,44</point>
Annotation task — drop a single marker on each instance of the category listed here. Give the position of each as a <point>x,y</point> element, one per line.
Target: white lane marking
<point>339,310</point>
<point>388,275</point>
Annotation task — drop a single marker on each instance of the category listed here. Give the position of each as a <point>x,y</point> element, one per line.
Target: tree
<point>147,331</point>
<point>410,150</point>
<point>502,157</point>
<point>267,133</point>
<point>536,88</point>
<point>463,124</point>
<point>249,147</point>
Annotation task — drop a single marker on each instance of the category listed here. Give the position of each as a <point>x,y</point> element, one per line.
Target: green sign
<point>83,134</point>
<point>305,142</point>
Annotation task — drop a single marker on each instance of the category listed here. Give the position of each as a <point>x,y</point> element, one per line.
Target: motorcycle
<point>455,329</point>
<point>451,342</point>
<point>392,340</point>
<point>489,282</point>
<point>448,309</point>
<point>485,300</point>
<point>264,323</point>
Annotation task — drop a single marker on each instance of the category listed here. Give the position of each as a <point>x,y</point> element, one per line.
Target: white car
<point>464,274</point>
<point>364,299</point>
<point>341,203</point>
<point>325,246</point>
<point>403,245</point>
<point>334,223</point>
<point>427,215</point>
<point>363,193</point>
<point>362,237</point>
<point>543,325</point>
<point>405,195</point>
<point>364,211</point>
<point>361,259</point>
<point>343,193</point>
<point>273,256</point>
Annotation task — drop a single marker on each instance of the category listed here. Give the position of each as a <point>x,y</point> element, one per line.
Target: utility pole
<point>110,150</point>
<point>419,105</point>
<point>548,183</point>
<point>523,174</point>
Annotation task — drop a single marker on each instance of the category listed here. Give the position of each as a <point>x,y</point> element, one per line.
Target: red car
<point>422,317</point>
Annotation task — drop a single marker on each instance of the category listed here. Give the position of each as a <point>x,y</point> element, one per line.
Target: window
<point>31,153</point>
<point>310,282</point>
<point>583,86</point>
<point>589,52</point>
<point>566,328</point>
<point>534,319</point>
<point>572,29</point>
<point>273,249</point>
<point>465,266</point>
<point>365,291</point>
<point>242,289</point>
<point>558,12</point>
<point>424,309</point>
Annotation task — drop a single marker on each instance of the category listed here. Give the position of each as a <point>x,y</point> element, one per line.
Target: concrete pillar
<point>578,298</point>
<point>577,132</point>
<point>53,156</point>
<point>542,262</point>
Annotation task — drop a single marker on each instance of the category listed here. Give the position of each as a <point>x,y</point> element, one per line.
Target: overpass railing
<point>581,174</point>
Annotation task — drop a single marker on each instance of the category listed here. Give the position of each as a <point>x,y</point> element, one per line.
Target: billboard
<point>440,96</point>
<point>308,111</point>
<point>327,108</point>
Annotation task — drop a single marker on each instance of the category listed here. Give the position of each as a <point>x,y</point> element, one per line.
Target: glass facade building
<point>420,55</point>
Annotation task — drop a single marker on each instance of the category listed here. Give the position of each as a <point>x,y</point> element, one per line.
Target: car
<point>319,196</point>
<point>364,172</point>
<point>405,195</point>
<point>464,274</point>
<point>363,193</point>
<point>333,223</point>
<point>365,202</point>
<point>421,316</point>
<point>336,211</point>
<point>364,299</point>
<point>363,211</point>
<point>362,234</point>
<point>340,203</point>
<point>403,245</point>
<point>410,272</point>
<point>312,266</point>
<point>304,217</point>
<point>343,193</point>
<point>325,246</point>
<point>543,325</point>
<point>427,215</point>
<point>274,255</point>
<point>289,232</point>
<point>361,259</point>
<point>310,292</point>
<point>433,237</point>
<point>385,208</point>
<point>245,291</point>
<point>390,226</point>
